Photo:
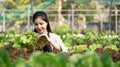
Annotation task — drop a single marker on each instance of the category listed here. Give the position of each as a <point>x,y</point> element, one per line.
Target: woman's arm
<point>58,40</point>
<point>51,41</point>
<point>54,44</point>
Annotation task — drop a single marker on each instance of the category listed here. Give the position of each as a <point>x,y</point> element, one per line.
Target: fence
<point>76,19</point>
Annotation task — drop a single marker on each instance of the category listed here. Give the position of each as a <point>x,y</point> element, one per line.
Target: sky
<point>2,0</point>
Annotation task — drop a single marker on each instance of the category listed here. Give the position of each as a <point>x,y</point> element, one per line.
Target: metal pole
<point>101,23</point>
<point>31,4</point>
<point>59,12</point>
<point>72,20</point>
<point>73,5</point>
<point>3,24</point>
<point>69,20</point>
<point>110,18</point>
<point>28,20</point>
<point>116,12</point>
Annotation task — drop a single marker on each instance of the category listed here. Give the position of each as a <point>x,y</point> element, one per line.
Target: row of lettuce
<point>91,40</point>
<point>39,59</point>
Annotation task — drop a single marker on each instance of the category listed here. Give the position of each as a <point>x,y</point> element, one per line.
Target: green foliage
<point>15,4</point>
<point>7,37</point>
<point>45,5</point>
<point>108,1</point>
<point>48,60</point>
<point>117,64</point>
<point>39,59</point>
<point>90,58</point>
<point>5,60</point>
<point>77,48</point>
<point>64,29</point>
<point>15,17</point>
<point>91,39</point>
<point>113,47</point>
<point>106,60</point>
<point>3,40</point>
<point>19,9</point>
<point>94,47</point>
<point>20,62</point>
<point>28,40</point>
<point>89,18</point>
<point>62,59</point>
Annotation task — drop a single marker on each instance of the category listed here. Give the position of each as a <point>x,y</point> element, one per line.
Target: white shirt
<point>58,40</point>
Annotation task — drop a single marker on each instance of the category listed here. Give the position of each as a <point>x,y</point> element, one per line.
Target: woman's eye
<point>36,24</point>
<point>41,23</point>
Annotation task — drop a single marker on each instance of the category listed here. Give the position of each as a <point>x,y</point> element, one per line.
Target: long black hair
<point>44,17</point>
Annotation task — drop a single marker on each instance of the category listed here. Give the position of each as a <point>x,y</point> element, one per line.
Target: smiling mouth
<point>40,31</point>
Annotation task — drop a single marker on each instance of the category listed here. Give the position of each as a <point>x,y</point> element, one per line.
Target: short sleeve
<point>58,40</point>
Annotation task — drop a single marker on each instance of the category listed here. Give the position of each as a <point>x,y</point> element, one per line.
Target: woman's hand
<point>54,44</point>
<point>44,37</point>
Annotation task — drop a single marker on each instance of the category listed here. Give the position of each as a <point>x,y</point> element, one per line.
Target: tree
<point>16,4</point>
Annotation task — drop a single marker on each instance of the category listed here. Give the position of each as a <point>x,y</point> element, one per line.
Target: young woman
<point>42,27</point>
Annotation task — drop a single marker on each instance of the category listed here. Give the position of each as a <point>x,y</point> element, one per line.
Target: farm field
<point>96,50</point>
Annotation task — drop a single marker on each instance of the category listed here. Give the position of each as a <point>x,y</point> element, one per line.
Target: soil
<point>114,54</point>
<point>15,53</point>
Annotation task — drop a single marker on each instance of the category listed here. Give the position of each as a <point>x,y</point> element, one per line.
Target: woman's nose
<point>39,26</point>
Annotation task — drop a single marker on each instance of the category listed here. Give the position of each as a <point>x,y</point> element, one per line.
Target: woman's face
<point>40,25</point>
